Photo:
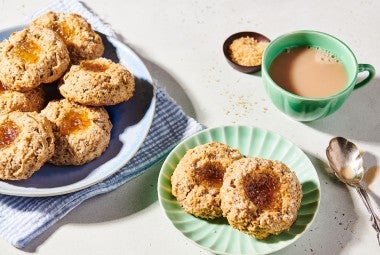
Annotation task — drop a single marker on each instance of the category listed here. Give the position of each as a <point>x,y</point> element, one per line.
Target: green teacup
<point>305,108</point>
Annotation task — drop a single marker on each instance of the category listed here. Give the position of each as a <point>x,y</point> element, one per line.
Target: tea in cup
<point>308,74</point>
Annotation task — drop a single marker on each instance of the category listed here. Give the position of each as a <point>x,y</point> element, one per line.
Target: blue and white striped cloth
<point>24,218</point>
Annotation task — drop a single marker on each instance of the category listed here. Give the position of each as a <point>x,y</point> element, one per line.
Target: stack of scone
<point>259,197</point>
<point>63,49</point>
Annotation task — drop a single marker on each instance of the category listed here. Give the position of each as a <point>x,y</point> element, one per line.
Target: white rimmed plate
<point>217,235</point>
<point>131,122</point>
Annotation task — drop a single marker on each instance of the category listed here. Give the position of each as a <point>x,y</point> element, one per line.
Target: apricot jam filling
<point>94,67</point>
<point>263,190</point>
<point>73,122</point>
<point>211,174</point>
<point>8,133</point>
<point>2,87</point>
<point>27,50</point>
<point>66,32</point>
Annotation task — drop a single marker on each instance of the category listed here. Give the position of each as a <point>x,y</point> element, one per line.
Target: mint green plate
<point>217,235</point>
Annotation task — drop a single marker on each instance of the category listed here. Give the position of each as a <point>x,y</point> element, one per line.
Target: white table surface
<point>181,44</point>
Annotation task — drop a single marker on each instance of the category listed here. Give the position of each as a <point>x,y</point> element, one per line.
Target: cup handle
<point>371,73</point>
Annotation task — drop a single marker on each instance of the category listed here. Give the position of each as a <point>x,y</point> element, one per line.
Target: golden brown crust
<point>198,176</point>
<point>32,146</point>
<point>98,82</point>
<point>81,40</point>
<point>82,133</point>
<point>29,101</point>
<point>31,57</point>
<point>255,212</point>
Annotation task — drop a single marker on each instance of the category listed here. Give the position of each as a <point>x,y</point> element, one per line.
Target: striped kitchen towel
<point>24,218</point>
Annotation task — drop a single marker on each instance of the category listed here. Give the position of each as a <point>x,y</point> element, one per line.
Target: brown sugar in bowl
<point>258,38</point>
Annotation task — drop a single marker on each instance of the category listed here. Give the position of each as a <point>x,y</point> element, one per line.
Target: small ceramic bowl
<point>229,40</point>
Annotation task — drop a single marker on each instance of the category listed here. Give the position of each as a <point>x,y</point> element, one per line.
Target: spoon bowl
<point>346,161</point>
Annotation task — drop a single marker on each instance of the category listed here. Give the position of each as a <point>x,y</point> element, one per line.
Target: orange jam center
<point>66,32</point>
<point>262,190</point>
<point>74,122</point>
<point>94,67</point>
<point>2,87</point>
<point>8,133</point>
<point>210,174</point>
<point>27,50</point>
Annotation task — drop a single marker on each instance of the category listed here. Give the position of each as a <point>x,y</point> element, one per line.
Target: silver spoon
<point>346,161</point>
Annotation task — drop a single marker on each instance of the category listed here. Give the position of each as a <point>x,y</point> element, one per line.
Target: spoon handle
<point>374,219</point>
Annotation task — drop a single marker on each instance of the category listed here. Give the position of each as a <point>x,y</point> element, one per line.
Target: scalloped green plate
<point>217,235</point>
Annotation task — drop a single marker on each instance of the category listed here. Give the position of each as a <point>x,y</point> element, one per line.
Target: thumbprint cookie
<point>197,179</point>
<point>29,101</point>
<point>260,197</point>
<point>78,35</point>
<point>31,57</point>
<point>26,143</point>
<point>98,82</point>
<point>81,133</point>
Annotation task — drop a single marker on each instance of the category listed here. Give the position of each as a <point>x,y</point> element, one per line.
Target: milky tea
<point>309,72</point>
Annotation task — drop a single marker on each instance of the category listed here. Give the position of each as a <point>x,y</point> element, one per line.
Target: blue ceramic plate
<point>131,122</point>
<point>216,235</point>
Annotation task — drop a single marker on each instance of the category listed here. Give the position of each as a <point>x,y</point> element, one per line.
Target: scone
<point>260,197</point>
<point>98,82</point>
<point>26,143</point>
<point>81,133</point>
<point>31,57</point>
<point>29,101</point>
<point>197,179</point>
<point>81,40</point>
